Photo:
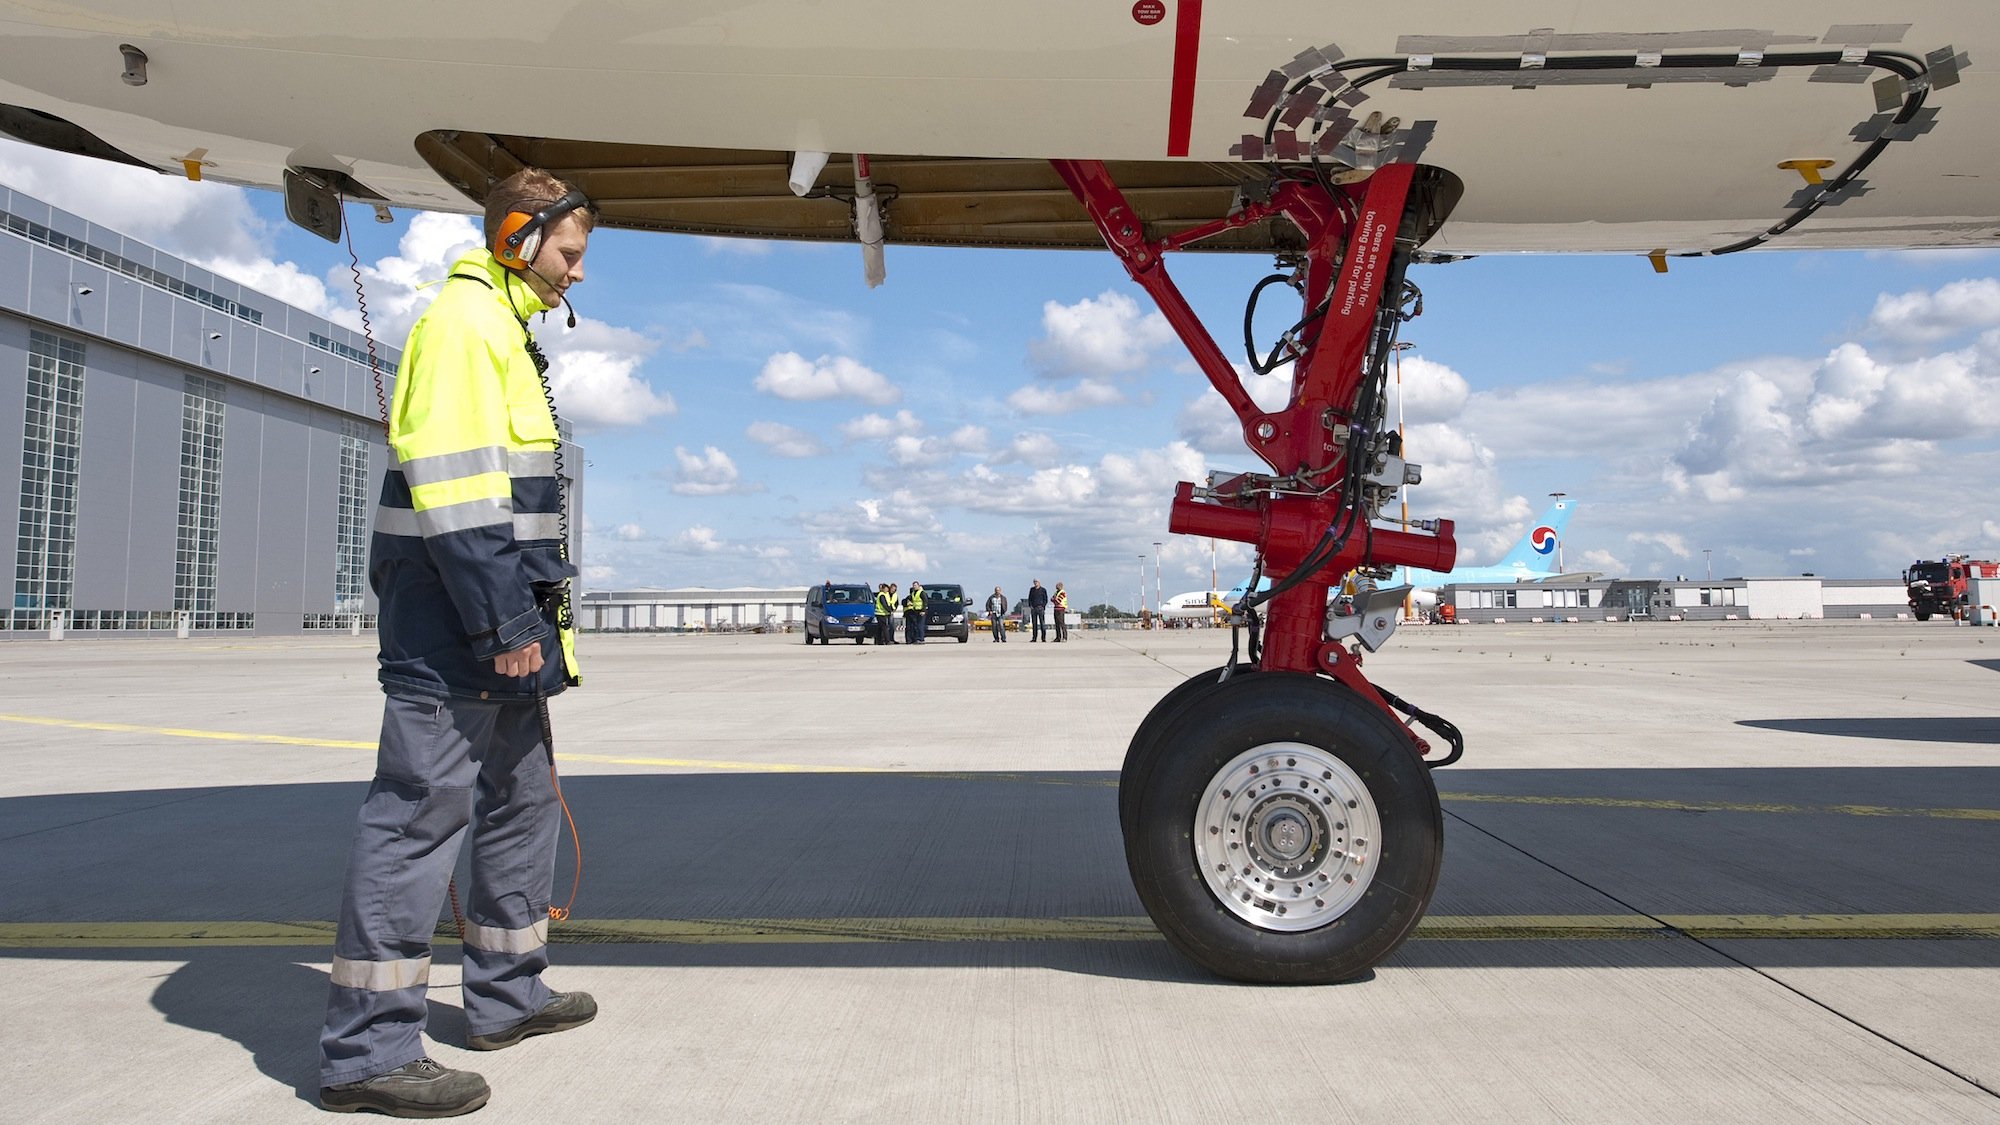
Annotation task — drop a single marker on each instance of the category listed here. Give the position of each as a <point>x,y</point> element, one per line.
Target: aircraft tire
<point>1923,615</point>
<point>1138,763</point>
<point>1296,768</point>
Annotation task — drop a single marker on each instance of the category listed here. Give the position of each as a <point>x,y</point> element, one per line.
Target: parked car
<point>945,612</point>
<point>840,610</point>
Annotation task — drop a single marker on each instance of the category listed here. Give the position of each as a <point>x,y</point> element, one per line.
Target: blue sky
<point>753,414</point>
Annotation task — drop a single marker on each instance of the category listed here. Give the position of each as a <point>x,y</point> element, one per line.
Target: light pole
<point>1159,601</point>
<point>1142,589</point>
<point>1559,542</point>
<point>1402,490</point>
<point>1707,560</point>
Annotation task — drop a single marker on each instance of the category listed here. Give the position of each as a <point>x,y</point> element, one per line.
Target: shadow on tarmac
<point>1989,665</point>
<point>1026,846</point>
<point>1936,728</point>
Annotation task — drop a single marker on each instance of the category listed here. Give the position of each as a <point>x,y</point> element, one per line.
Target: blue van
<point>840,610</point>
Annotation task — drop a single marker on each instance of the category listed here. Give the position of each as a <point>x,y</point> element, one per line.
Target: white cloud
<point>894,557</point>
<point>698,539</point>
<point>206,220</point>
<point>1105,335</point>
<point>785,441</point>
<point>1209,425</point>
<point>1086,394</point>
<point>735,247</point>
<point>1036,450</point>
<point>1933,398</point>
<point>1925,317</point>
<point>1671,542</point>
<point>1603,562</point>
<point>709,473</point>
<point>1432,392</point>
<point>874,427</point>
<point>908,449</point>
<point>789,375</point>
<point>629,533</point>
<point>398,286</point>
<point>599,389</point>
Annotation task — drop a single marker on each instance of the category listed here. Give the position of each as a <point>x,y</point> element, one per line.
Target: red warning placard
<point>1149,12</point>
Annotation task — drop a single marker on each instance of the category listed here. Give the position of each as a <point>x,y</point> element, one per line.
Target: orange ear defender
<point>520,235</point>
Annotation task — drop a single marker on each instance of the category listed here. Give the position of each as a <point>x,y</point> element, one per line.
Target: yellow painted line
<point>706,764</point>
<point>815,931</point>
<point>182,732</point>
<point>1721,806</point>
<point>1038,779</point>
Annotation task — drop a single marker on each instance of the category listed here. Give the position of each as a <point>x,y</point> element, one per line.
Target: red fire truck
<point>1939,587</point>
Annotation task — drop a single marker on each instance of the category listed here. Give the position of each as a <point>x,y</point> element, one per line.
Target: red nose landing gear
<point>1279,817</point>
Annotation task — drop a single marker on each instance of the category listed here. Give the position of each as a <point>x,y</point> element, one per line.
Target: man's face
<point>559,263</point>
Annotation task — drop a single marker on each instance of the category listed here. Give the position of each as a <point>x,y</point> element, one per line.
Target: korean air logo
<point>1543,539</point>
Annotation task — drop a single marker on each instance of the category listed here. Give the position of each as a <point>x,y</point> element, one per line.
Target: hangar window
<point>51,433</point>
<point>200,529</point>
<point>350,543</point>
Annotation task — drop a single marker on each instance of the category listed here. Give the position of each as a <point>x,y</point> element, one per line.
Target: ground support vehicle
<point>845,610</point>
<point>945,612</point>
<point>1939,588</point>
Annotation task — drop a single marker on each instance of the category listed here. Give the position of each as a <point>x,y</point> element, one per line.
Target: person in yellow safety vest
<point>1060,603</point>
<point>885,614</point>
<point>913,614</point>
<point>471,570</point>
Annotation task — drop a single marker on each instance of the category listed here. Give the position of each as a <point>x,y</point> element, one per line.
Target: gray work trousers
<point>443,765</point>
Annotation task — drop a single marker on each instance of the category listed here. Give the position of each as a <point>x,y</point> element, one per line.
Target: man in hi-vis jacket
<point>471,572</point>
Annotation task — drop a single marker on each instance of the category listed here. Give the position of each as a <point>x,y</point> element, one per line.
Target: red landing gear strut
<point>1279,823</point>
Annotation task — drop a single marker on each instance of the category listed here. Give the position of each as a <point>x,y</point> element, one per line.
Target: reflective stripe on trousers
<point>442,765</point>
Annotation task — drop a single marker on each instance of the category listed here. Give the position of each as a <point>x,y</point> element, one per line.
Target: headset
<point>520,235</point>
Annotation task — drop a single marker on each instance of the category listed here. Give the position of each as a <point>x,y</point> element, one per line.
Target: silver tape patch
<point>1735,38</point>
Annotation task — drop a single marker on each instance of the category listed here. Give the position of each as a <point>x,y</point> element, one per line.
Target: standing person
<point>1060,603</point>
<point>1038,611</point>
<point>913,614</point>
<point>471,572</point>
<point>996,612</point>
<point>885,613</point>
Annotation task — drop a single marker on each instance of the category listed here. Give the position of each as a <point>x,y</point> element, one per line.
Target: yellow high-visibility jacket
<point>883,606</point>
<point>467,559</point>
<point>913,602</point>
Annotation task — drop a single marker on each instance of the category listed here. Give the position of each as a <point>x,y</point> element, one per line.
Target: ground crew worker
<point>996,612</point>
<point>885,614</point>
<point>471,572</point>
<point>1060,603</point>
<point>1038,611</point>
<point>913,614</point>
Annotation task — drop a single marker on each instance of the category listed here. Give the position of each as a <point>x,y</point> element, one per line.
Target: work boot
<point>563,1011</point>
<point>418,1089</point>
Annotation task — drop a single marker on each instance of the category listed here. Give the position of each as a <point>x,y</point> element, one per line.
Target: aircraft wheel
<point>1285,832</point>
<point>1923,615</point>
<point>1138,762</point>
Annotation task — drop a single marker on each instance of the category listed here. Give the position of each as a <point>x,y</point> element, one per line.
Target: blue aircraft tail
<point>1537,550</point>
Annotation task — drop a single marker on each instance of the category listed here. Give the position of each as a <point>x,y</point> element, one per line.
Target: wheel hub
<point>1285,836</point>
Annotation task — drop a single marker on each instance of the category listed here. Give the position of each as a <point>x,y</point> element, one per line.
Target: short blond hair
<point>528,190</point>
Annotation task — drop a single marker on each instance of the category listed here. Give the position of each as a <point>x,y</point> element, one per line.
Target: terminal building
<point>1804,597</point>
<point>195,456</point>
<point>693,610</point>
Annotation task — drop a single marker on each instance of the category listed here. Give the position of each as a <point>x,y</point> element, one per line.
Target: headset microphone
<point>560,295</point>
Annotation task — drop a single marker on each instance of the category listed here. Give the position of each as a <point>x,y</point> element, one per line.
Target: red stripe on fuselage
<point>1187,53</point>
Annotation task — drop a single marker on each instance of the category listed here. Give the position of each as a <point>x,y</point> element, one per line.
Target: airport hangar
<point>195,456</point>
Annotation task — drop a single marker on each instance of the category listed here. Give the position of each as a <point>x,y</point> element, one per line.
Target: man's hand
<point>523,661</point>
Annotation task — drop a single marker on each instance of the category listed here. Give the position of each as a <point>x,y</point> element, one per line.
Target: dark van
<point>945,613</point>
<point>840,610</point>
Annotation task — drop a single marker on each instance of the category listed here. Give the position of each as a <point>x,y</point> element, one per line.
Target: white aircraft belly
<point>1559,167</point>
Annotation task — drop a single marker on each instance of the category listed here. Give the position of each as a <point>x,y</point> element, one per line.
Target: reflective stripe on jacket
<point>467,555</point>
